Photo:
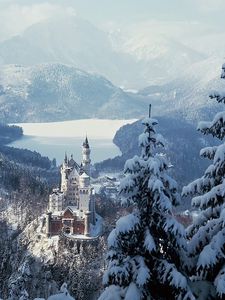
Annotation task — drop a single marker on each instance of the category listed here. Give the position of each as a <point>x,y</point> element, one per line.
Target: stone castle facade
<point>71,208</point>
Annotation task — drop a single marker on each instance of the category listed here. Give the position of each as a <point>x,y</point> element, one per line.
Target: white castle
<point>72,207</point>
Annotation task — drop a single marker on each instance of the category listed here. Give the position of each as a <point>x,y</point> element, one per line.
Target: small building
<point>71,207</point>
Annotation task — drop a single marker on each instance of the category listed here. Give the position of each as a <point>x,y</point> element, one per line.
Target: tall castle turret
<point>64,174</point>
<point>85,192</point>
<point>86,161</point>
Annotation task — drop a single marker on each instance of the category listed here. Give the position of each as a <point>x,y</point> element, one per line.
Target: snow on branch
<point>219,282</point>
<point>216,127</point>
<point>113,292</point>
<point>133,165</point>
<point>203,235</point>
<point>155,185</point>
<point>208,152</point>
<point>202,219</point>
<point>149,122</point>
<point>146,138</point>
<point>143,272</point>
<point>211,198</point>
<point>219,154</point>
<point>204,125</point>
<point>133,293</point>
<point>171,225</point>
<point>118,271</point>
<point>112,239</point>
<point>212,252</point>
<point>128,186</point>
<point>149,241</point>
<point>153,165</point>
<point>170,182</point>
<point>219,96</point>
<point>193,187</point>
<point>127,223</point>
<point>170,273</point>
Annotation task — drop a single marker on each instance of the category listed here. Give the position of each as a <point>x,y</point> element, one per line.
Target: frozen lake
<point>54,139</point>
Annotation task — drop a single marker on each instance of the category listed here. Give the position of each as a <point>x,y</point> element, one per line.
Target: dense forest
<point>9,133</point>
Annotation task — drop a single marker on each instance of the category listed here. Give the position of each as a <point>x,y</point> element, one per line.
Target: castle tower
<point>64,174</point>
<point>85,192</point>
<point>56,201</point>
<point>86,161</point>
<point>92,207</point>
<point>87,223</point>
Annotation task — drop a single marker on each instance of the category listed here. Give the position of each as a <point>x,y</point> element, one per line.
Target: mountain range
<point>132,60</point>
<point>57,92</point>
<point>67,68</point>
<point>54,92</point>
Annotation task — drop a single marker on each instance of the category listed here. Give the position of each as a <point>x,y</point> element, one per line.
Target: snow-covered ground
<point>94,128</point>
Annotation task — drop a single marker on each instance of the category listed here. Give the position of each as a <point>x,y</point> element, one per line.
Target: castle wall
<point>78,227</point>
<point>55,227</point>
<point>58,225</point>
<point>68,214</point>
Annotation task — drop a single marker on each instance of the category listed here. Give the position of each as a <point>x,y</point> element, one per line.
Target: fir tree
<point>24,295</point>
<point>147,245</point>
<point>207,233</point>
<point>63,295</point>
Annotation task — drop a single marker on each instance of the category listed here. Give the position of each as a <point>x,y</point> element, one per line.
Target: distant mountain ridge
<point>54,92</point>
<point>132,61</point>
<point>58,92</point>
<point>42,77</point>
<point>187,96</point>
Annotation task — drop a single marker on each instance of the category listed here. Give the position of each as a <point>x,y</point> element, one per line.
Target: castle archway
<point>67,230</point>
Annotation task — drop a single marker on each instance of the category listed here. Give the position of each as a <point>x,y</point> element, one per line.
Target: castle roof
<point>73,164</point>
<point>84,175</point>
<point>86,143</point>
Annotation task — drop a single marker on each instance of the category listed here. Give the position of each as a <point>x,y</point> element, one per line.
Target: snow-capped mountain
<point>179,77</point>
<point>56,92</point>
<point>160,58</point>
<point>187,96</point>
<point>53,92</point>
<point>70,41</point>
<point>133,60</point>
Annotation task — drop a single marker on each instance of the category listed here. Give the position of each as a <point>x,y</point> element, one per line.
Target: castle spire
<point>65,159</point>
<point>86,143</point>
<point>86,161</point>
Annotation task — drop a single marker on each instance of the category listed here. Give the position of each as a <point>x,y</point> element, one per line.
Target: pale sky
<point>17,15</point>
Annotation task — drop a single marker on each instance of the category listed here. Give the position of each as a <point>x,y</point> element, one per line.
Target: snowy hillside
<point>45,263</point>
<point>54,92</point>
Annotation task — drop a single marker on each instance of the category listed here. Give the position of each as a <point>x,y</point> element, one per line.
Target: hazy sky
<point>16,15</point>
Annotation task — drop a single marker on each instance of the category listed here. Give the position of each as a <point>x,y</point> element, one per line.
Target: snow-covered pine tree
<point>24,295</point>
<point>146,247</point>
<point>207,233</point>
<point>63,295</point>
